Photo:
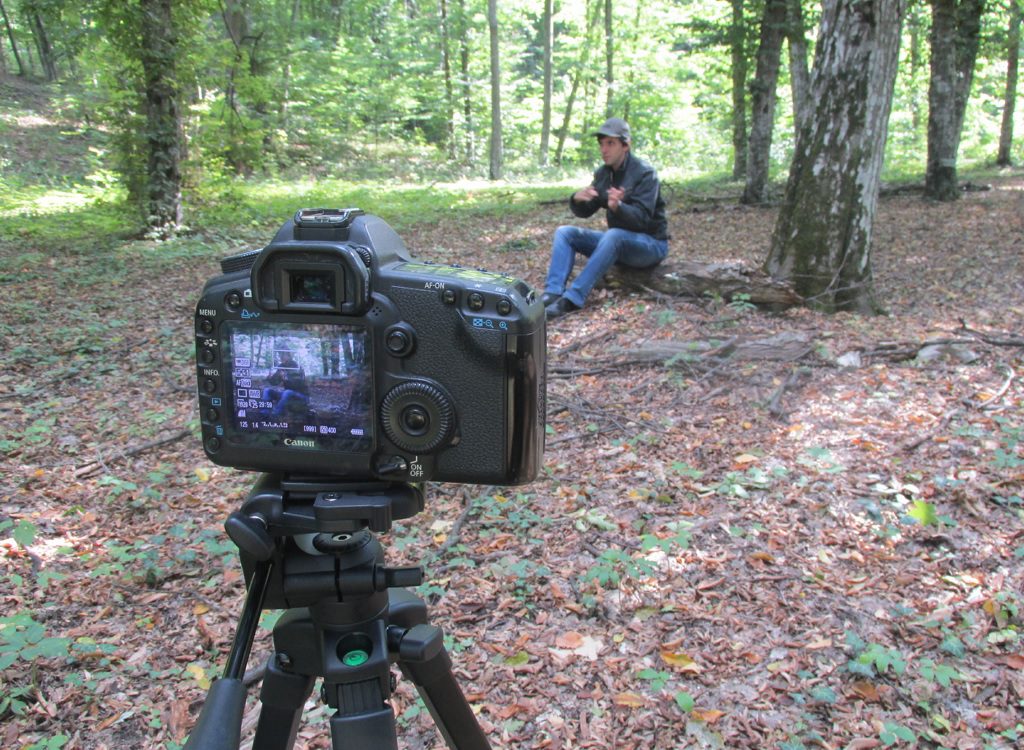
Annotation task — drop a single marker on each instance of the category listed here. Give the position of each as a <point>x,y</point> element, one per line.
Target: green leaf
<point>953,646</point>
<point>518,659</point>
<point>924,513</point>
<point>25,533</point>
<point>824,694</point>
<point>685,701</point>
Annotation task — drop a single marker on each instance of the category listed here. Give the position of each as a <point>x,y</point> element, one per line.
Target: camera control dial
<point>417,416</point>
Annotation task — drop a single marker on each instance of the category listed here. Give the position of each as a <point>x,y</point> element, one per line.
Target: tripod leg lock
<point>419,643</point>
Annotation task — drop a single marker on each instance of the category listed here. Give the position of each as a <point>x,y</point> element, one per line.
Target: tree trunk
<point>163,125</point>
<point>467,87</point>
<point>287,71</point>
<point>496,147</point>
<point>449,87</point>
<point>577,76</point>
<point>822,237</point>
<point>916,34</point>
<point>14,42</point>
<point>548,31</point>
<point>800,78</point>
<point>236,24</point>
<point>738,65</point>
<point>567,117</point>
<point>609,56</point>
<point>956,33</point>
<point>762,101</point>
<point>626,93</point>
<point>1010,97</point>
<point>43,46</point>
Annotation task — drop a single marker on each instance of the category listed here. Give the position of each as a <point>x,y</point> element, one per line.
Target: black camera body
<point>332,353</point>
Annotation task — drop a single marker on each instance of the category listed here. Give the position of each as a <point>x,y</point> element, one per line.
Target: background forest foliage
<point>371,90</point>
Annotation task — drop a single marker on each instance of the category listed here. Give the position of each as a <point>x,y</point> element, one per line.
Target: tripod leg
<point>219,726</point>
<point>282,697</point>
<point>423,659</point>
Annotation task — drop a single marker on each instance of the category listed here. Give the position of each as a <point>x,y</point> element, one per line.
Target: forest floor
<point>723,550</point>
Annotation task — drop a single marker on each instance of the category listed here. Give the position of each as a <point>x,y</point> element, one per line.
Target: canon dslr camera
<point>330,352</point>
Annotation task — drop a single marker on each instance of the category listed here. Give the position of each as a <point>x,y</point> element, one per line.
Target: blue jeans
<point>604,249</point>
<point>285,398</point>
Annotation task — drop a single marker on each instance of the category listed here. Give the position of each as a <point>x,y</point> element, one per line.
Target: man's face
<point>613,150</point>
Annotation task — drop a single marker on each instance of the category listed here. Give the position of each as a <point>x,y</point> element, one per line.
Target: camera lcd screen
<point>300,385</point>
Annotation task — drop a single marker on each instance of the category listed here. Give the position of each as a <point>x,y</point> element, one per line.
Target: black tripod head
<point>312,522</point>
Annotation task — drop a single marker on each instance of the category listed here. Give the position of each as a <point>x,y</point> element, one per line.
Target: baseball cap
<point>615,127</point>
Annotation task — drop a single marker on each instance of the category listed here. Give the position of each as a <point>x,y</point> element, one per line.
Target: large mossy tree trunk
<point>163,120</point>
<point>955,36</point>
<point>822,238</point>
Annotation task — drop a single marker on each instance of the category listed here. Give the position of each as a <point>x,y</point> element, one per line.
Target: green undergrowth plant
<point>24,646</point>
<point>615,566</point>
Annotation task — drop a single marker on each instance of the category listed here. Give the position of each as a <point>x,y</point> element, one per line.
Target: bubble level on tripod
<point>355,658</point>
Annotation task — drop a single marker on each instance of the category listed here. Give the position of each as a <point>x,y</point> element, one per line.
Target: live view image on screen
<point>302,380</point>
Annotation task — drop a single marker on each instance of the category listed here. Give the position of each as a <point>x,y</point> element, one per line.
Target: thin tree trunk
<point>609,56</point>
<point>800,77</point>
<point>43,46</point>
<point>567,117</point>
<point>577,77</point>
<point>917,61</point>
<point>1010,97</point>
<point>738,66</point>
<point>286,83</point>
<point>548,31</point>
<point>494,172</point>
<point>631,70</point>
<point>762,118</point>
<point>956,34</point>
<point>14,42</point>
<point>449,88</point>
<point>822,237</point>
<point>467,87</point>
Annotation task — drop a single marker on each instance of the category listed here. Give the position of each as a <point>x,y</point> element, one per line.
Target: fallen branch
<point>782,347</point>
<point>87,470</point>
<point>988,339</point>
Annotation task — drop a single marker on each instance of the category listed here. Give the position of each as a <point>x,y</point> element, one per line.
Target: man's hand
<point>615,197</point>
<point>585,195</point>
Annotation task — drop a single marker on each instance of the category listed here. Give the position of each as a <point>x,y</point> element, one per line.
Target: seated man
<point>628,188</point>
<point>287,390</point>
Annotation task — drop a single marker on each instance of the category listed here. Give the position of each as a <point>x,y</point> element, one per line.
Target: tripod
<point>307,546</point>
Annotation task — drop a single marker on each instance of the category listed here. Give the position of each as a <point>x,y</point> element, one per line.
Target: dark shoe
<point>560,307</point>
<point>548,298</point>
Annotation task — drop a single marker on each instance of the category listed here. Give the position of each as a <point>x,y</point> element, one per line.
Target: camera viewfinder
<point>312,287</point>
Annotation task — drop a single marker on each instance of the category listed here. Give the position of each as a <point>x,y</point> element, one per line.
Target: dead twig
<point>1008,341</point>
<point>87,470</point>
